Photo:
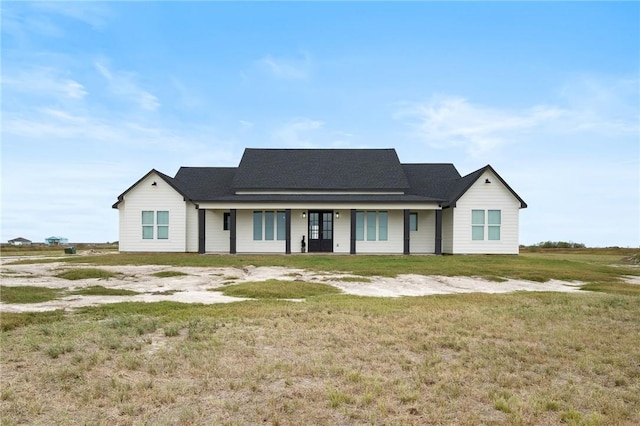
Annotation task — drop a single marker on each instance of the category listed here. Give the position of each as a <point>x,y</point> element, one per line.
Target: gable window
<point>494,222</point>
<point>147,225</point>
<point>163,225</point>
<point>413,221</point>
<point>155,224</point>
<point>477,225</point>
<point>269,225</point>
<point>486,222</point>
<point>376,225</point>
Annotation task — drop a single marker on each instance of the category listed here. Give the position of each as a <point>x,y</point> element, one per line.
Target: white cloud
<point>447,121</point>
<point>91,13</point>
<point>124,85</point>
<point>296,132</point>
<point>44,82</point>
<point>586,106</point>
<point>304,132</point>
<point>287,68</point>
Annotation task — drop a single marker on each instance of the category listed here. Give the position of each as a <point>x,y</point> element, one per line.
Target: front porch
<point>318,229</point>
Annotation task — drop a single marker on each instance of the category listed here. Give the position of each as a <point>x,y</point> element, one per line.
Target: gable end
<point>467,181</point>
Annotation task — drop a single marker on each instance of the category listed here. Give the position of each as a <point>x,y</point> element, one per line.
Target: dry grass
<point>334,359</point>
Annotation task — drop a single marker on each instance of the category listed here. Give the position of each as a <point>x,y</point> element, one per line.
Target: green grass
<point>98,290</point>
<point>32,294</point>
<point>28,294</point>
<point>614,288</point>
<point>11,320</point>
<point>85,273</point>
<point>276,289</point>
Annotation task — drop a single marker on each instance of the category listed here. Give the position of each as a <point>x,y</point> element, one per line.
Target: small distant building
<point>20,242</point>
<point>56,241</point>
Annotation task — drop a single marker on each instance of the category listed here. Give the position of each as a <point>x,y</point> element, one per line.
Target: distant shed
<point>20,242</point>
<point>56,241</point>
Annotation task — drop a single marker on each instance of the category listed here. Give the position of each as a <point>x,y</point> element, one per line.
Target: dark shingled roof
<point>431,180</point>
<point>205,183</point>
<point>377,171</point>
<point>320,169</point>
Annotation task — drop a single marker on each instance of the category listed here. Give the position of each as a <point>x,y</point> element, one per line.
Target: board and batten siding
<point>159,197</point>
<point>486,196</point>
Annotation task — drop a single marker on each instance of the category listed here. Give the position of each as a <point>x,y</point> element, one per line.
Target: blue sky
<point>94,95</point>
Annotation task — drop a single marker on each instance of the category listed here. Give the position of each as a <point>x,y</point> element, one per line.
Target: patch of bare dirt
<point>197,285</point>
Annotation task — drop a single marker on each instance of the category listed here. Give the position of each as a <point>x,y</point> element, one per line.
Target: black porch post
<point>352,249</point>
<point>407,231</point>
<point>438,232</point>
<point>287,234</point>
<point>232,231</point>
<point>201,233</point>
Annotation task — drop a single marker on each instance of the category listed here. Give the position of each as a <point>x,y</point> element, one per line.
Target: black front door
<point>321,231</point>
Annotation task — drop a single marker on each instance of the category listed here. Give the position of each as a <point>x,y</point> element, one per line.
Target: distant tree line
<point>558,244</point>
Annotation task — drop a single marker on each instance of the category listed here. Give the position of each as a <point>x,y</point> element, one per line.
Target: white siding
<point>486,196</point>
<point>342,232</point>
<point>216,237</point>
<point>298,229</point>
<point>146,196</point>
<point>424,239</point>
<point>192,227</point>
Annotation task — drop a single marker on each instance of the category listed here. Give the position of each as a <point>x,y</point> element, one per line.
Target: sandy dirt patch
<point>199,285</point>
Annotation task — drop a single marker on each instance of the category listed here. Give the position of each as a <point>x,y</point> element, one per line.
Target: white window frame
<point>148,224</point>
<point>152,228</point>
<point>488,227</point>
<point>267,227</point>
<point>372,225</point>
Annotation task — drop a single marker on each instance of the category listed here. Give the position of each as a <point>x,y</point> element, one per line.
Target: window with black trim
<point>413,221</point>
<point>226,221</point>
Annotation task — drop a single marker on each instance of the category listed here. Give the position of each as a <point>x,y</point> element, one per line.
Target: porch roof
<point>323,198</point>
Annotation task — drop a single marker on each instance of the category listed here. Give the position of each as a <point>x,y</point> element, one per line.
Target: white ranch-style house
<point>321,200</point>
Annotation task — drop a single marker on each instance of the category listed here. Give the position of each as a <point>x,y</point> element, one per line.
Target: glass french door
<point>321,231</point>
